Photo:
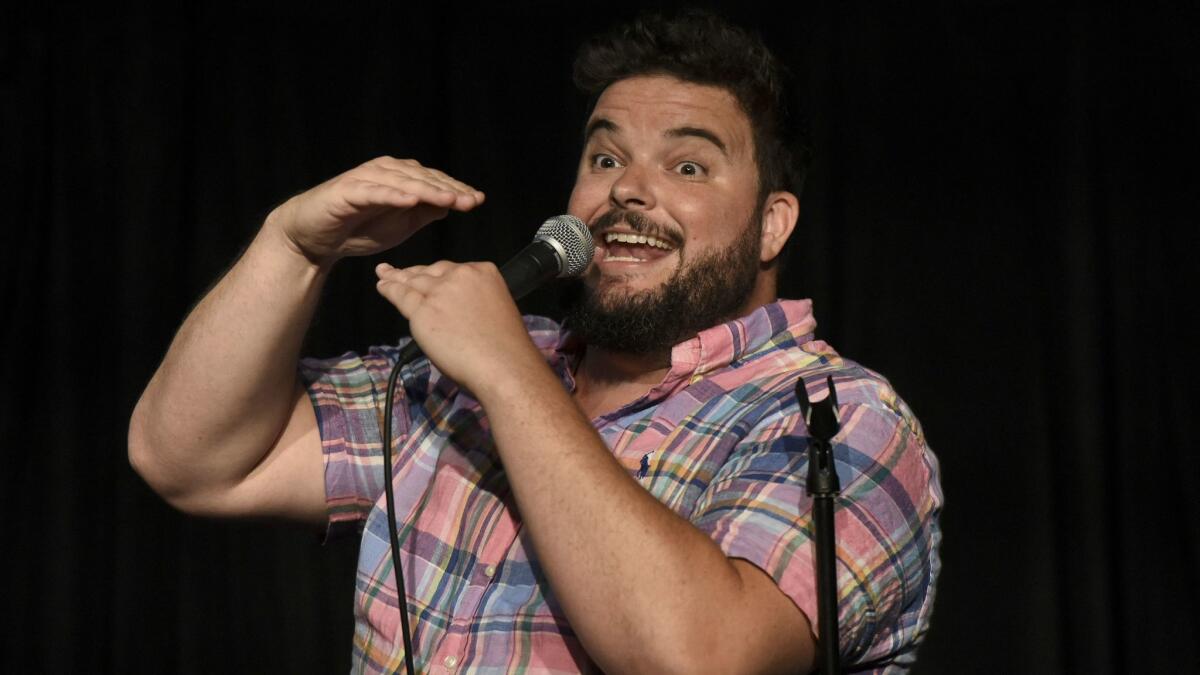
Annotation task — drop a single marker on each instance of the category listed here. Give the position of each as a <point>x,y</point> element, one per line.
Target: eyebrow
<point>698,132</point>
<point>604,124</point>
<point>599,124</point>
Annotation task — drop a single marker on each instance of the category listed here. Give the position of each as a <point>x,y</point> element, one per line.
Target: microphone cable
<point>390,500</point>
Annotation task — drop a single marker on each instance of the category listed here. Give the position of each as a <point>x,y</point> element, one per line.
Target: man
<point>625,496</point>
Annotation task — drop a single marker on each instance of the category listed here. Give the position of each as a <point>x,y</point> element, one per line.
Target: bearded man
<point>625,494</point>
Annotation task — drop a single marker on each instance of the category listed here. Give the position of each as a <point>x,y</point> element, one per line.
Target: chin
<point>610,288</point>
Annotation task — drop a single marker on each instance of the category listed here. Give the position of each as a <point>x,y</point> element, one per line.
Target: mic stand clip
<point>822,486</point>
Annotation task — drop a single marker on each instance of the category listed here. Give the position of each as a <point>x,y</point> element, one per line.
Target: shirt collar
<point>717,347</point>
<point>740,339</point>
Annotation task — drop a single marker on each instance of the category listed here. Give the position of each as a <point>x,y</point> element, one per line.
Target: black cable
<point>390,499</point>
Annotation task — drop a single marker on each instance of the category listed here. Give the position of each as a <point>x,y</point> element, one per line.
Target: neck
<point>607,380</point>
<point>603,367</point>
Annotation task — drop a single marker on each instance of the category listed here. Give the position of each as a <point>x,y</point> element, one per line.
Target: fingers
<point>386,272</point>
<point>408,287</point>
<point>429,185</point>
<point>413,168</point>
<point>393,287</point>
<point>386,190</point>
<point>364,193</point>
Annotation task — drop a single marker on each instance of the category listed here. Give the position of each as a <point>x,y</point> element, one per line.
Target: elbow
<point>173,470</point>
<point>138,445</point>
<point>147,460</point>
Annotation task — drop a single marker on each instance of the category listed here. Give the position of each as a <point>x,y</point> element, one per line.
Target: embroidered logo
<point>645,466</point>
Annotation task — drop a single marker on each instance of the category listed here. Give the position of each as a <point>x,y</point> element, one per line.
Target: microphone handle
<point>409,352</point>
<point>536,264</point>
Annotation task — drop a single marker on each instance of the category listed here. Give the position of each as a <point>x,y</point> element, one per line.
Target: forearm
<point>643,588</point>
<point>226,387</point>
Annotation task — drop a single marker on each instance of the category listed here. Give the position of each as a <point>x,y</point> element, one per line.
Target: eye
<point>690,169</point>
<point>602,161</point>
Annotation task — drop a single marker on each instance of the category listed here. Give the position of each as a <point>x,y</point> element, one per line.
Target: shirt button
<point>489,571</point>
<point>451,661</point>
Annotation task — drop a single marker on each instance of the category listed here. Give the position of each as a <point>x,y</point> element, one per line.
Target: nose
<point>632,190</point>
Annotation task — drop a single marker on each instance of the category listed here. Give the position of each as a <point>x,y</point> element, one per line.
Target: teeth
<point>636,239</point>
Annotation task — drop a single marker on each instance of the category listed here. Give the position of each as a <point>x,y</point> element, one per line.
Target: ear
<point>779,216</point>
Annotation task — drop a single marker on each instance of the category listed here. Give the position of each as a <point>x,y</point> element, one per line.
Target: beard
<point>709,291</point>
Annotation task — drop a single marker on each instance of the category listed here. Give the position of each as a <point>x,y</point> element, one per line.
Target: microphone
<point>562,247</point>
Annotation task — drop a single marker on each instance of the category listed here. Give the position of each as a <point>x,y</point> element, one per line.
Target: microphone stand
<point>822,486</point>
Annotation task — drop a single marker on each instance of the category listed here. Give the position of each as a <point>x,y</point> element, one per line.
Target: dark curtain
<point>1000,218</point>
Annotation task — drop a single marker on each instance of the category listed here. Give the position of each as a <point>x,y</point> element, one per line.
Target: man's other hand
<point>464,319</point>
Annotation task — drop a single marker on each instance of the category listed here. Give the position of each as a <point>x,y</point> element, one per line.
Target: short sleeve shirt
<point>721,441</point>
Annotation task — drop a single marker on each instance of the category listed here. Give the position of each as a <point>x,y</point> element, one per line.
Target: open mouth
<point>630,247</point>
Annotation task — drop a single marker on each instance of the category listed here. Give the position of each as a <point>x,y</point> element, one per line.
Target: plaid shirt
<point>720,440</point>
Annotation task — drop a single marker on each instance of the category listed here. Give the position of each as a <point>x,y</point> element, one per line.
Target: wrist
<point>274,239</point>
<point>521,378</point>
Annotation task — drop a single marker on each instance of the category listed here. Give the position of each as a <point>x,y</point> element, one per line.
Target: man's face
<point>668,185</point>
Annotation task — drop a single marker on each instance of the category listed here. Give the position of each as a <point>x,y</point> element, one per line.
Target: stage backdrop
<point>1000,218</point>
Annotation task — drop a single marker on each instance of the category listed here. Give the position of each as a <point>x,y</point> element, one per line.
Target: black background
<point>1000,218</point>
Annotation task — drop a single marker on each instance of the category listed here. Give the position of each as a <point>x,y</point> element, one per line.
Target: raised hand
<point>368,209</point>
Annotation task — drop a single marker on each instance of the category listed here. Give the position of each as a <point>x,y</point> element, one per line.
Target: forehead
<point>659,103</point>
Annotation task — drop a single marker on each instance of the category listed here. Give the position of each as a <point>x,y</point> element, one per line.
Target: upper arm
<point>757,509</point>
<point>289,481</point>
<point>777,636</point>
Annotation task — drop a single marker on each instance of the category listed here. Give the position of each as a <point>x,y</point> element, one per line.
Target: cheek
<point>711,223</point>
<point>587,194</point>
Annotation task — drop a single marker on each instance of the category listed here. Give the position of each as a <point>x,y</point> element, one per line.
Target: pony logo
<point>644,468</point>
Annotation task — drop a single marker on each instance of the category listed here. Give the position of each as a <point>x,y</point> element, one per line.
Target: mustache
<point>639,223</point>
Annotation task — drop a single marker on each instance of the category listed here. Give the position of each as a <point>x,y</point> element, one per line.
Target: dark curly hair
<point>700,47</point>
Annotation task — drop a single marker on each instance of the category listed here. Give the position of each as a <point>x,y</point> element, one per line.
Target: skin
<point>595,531</point>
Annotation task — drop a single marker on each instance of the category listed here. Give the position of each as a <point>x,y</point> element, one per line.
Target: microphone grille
<point>573,242</point>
